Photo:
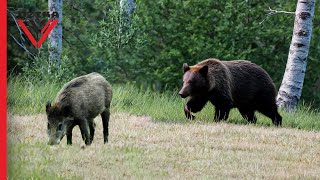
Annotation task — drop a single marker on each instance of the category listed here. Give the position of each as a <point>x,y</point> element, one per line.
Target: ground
<point>142,148</point>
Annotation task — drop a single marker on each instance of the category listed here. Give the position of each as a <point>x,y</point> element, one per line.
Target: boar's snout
<point>53,142</point>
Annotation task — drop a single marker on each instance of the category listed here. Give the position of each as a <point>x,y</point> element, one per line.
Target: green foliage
<point>118,44</point>
<point>162,35</point>
<point>46,70</point>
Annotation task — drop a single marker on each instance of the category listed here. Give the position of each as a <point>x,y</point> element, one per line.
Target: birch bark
<point>127,6</point>
<point>292,83</point>
<point>126,9</point>
<point>55,37</point>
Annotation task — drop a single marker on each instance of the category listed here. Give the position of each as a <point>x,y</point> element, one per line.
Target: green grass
<point>27,97</point>
<point>159,143</point>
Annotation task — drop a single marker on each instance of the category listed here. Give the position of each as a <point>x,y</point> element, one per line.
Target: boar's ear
<point>185,67</point>
<point>48,106</point>
<point>204,70</point>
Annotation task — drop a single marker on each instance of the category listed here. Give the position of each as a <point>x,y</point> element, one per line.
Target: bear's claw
<point>188,113</point>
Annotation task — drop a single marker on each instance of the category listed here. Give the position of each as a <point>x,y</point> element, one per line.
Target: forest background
<point>162,36</point>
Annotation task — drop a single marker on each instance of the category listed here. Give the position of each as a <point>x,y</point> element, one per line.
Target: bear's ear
<point>204,70</point>
<point>48,106</point>
<point>185,67</point>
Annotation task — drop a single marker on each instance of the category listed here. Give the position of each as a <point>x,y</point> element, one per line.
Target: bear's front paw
<point>188,113</point>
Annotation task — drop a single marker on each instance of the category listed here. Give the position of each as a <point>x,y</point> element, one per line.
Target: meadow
<point>27,97</point>
<point>151,138</point>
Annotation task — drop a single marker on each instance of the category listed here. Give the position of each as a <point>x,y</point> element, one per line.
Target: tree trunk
<point>55,37</point>
<point>292,83</point>
<point>126,9</point>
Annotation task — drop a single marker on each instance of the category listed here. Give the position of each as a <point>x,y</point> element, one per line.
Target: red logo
<point>45,32</point>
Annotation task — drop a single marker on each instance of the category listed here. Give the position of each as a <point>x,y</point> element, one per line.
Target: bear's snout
<point>184,92</point>
<point>182,95</point>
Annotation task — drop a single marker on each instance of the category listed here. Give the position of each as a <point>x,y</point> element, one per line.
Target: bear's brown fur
<point>229,84</point>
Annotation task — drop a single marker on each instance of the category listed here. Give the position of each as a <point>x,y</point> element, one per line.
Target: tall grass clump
<point>29,96</point>
<point>164,106</point>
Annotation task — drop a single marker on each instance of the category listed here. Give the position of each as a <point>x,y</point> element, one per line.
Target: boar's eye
<point>60,127</point>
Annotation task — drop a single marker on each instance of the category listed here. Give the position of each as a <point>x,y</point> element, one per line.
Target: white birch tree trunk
<point>292,83</point>
<point>126,9</point>
<point>55,37</point>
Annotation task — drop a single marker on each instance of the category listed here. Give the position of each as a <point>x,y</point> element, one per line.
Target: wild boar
<point>78,103</point>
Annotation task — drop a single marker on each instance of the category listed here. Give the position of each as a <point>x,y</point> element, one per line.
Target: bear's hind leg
<point>272,113</point>
<point>278,119</point>
<point>248,115</point>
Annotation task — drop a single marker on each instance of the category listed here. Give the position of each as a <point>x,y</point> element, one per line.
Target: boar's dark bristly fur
<point>229,84</point>
<point>78,103</point>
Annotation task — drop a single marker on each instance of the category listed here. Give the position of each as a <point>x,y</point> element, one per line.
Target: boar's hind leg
<point>105,115</point>
<point>84,128</point>
<point>91,126</point>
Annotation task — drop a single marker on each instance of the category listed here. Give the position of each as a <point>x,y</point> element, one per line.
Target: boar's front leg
<point>92,129</point>
<point>69,132</point>
<point>84,128</point>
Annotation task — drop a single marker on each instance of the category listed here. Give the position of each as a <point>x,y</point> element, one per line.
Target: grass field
<point>150,138</point>
<point>27,97</point>
<point>141,148</point>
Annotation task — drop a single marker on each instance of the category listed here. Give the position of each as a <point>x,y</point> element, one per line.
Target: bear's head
<point>195,81</point>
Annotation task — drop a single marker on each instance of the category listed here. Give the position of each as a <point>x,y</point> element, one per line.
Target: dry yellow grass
<point>140,148</point>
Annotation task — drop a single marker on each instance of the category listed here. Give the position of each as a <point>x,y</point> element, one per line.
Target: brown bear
<point>229,84</point>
